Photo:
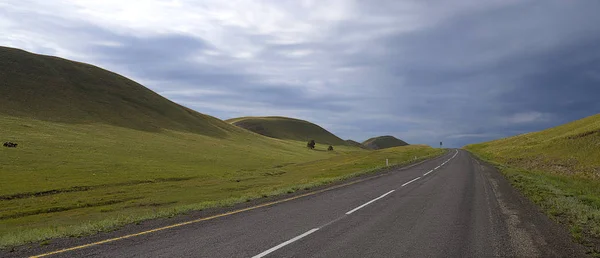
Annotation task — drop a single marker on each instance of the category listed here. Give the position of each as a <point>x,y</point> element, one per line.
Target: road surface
<point>451,206</point>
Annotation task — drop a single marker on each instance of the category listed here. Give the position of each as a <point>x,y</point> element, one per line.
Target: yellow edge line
<point>200,219</point>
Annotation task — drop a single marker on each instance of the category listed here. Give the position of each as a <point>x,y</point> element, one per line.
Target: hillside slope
<point>383,142</point>
<point>287,129</point>
<point>558,169</point>
<point>355,144</point>
<point>59,90</point>
<point>570,149</point>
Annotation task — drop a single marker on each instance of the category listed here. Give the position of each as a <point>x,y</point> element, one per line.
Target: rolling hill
<point>59,90</point>
<point>558,169</point>
<point>383,142</point>
<point>287,129</point>
<point>355,144</point>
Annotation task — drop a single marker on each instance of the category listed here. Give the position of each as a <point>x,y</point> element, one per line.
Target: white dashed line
<point>285,243</point>
<point>371,201</point>
<point>411,181</point>
<point>275,248</point>
<point>438,167</point>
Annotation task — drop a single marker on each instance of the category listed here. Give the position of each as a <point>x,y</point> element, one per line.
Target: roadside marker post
<point>387,162</point>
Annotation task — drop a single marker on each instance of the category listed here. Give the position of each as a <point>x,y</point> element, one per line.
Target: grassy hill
<point>97,151</point>
<point>569,149</point>
<point>355,144</point>
<point>557,168</point>
<point>287,129</point>
<point>383,142</point>
<point>58,90</point>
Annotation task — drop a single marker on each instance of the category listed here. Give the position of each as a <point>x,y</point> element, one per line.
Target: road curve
<point>451,206</point>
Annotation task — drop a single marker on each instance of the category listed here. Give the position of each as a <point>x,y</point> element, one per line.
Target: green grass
<point>287,129</point>
<point>558,169</point>
<point>69,179</point>
<point>382,142</point>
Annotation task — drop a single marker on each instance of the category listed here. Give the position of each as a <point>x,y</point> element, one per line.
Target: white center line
<point>275,248</point>
<point>285,243</point>
<point>371,201</point>
<point>411,181</point>
<point>436,168</point>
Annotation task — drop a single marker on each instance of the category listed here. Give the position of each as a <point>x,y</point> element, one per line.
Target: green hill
<point>557,168</point>
<point>569,149</point>
<point>355,144</point>
<point>383,142</point>
<point>58,90</point>
<point>287,129</point>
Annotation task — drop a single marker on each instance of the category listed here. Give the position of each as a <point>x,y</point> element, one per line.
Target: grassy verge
<point>573,200</point>
<point>78,179</point>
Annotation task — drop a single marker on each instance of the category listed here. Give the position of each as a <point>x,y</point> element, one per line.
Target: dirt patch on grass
<point>283,165</point>
<point>584,134</point>
<point>88,188</point>
<point>63,208</point>
<point>275,173</point>
<point>44,193</point>
<point>151,204</point>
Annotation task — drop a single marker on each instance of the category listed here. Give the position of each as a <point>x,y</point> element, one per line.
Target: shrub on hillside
<point>330,148</point>
<point>311,144</point>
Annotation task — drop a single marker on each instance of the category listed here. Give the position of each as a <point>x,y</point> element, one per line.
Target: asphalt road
<point>463,208</point>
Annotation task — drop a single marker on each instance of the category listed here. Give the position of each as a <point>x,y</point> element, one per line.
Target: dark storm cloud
<point>494,74</point>
<point>171,58</point>
<point>166,57</point>
<point>424,71</point>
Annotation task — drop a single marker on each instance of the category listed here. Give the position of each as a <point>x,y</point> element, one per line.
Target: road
<point>450,206</point>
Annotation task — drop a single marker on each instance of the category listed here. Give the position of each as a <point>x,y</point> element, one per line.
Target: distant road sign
<point>440,144</point>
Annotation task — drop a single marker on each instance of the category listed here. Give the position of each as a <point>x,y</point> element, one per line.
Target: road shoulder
<point>532,233</point>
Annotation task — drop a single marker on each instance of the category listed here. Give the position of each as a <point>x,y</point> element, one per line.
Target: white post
<point>387,163</point>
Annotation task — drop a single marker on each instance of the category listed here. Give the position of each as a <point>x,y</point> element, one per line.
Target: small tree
<point>311,144</point>
<point>330,148</point>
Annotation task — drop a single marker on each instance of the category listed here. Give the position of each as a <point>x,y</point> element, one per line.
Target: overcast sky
<point>458,71</point>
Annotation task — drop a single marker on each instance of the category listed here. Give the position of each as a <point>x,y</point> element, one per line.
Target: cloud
<point>527,117</point>
<point>473,135</point>
<point>425,71</point>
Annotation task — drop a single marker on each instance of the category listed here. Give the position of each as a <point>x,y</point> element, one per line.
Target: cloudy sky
<point>425,71</point>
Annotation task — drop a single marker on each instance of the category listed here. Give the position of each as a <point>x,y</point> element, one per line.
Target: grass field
<point>68,179</point>
<point>288,129</point>
<point>558,169</point>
